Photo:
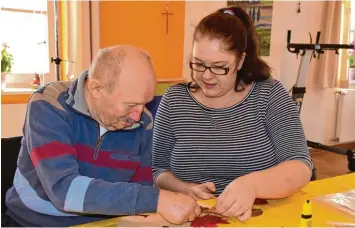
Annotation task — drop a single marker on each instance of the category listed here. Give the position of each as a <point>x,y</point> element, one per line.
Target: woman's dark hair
<point>236,30</point>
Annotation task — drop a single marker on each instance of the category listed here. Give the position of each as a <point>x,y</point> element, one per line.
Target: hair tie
<point>229,12</point>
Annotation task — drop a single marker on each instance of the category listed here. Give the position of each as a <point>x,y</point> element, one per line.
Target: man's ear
<point>95,87</point>
<point>241,61</point>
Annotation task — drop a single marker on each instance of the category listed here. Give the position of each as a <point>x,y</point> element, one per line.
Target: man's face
<point>119,110</point>
<point>123,106</point>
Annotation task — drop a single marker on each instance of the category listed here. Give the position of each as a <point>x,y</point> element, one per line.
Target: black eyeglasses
<point>213,69</point>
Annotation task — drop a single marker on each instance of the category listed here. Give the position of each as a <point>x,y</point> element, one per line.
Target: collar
<point>76,93</point>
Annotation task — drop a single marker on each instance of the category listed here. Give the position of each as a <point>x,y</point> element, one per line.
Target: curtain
<point>76,37</point>
<point>326,67</point>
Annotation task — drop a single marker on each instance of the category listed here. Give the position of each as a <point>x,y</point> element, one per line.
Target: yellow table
<point>331,185</point>
<point>282,212</point>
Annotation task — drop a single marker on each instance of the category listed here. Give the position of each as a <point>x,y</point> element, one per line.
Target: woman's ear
<point>241,61</point>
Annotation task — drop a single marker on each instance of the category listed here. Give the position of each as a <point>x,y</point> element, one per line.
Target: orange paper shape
<point>210,203</point>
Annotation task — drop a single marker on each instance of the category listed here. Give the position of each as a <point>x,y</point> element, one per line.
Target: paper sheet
<point>344,201</point>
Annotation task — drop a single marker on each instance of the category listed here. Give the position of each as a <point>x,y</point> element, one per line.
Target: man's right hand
<point>177,208</point>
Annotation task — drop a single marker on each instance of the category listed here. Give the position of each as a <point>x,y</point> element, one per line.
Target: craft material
<point>208,221</point>
<point>209,205</point>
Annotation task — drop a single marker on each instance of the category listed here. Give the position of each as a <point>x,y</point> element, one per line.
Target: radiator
<point>345,122</point>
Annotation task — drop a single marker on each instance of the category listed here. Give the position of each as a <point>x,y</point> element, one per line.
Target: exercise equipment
<point>307,52</point>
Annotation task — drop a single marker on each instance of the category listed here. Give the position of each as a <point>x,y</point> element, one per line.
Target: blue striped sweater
<point>68,173</point>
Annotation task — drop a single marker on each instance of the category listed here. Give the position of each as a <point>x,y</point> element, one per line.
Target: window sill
<point>16,95</point>
<point>12,91</point>
<point>169,80</point>
<point>22,95</point>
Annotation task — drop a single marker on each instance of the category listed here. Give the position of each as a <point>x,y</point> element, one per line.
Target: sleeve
<point>163,138</point>
<point>49,139</point>
<point>285,128</point>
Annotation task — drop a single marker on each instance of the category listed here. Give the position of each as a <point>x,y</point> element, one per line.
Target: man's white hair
<point>108,63</point>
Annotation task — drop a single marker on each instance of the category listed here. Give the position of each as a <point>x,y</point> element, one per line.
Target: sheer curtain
<point>77,36</point>
<point>326,68</point>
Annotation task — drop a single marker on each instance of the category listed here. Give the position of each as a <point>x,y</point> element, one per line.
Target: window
<point>352,40</point>
<point>25,30</point>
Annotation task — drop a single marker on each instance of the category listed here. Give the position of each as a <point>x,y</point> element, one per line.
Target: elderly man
<point>86,150</point>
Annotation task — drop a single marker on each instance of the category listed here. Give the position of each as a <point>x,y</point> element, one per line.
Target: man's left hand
<point>237,199</point>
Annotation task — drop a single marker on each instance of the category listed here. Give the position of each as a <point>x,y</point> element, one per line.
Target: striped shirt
<point>200,144</point>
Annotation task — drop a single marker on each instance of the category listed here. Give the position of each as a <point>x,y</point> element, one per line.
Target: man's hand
<point>203,191</point>
<point>177,208</point>
<point>237,199</point>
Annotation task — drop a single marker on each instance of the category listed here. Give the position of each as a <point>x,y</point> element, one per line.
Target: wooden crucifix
<point>167,14</point>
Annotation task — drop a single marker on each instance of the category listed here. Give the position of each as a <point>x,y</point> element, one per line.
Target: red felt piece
<point>208,221</point>
<point>260,202</point>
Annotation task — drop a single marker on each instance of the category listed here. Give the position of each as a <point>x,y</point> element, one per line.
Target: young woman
<point>233,132</point>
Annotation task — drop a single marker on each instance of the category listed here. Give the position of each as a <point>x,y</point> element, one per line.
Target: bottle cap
<point>307,208</point>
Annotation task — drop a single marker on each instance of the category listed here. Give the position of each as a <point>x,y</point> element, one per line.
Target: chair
<point>153,105</point>
<point>10,149</point>
<point>314,176</point>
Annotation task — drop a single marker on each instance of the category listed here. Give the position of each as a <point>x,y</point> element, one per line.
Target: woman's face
<point>219,77</point>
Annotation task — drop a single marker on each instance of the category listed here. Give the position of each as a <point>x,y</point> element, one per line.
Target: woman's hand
<point>203,191</point>
<point>237,199</point>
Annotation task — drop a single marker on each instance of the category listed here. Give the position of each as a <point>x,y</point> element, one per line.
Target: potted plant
<point>352,63</point>
<point>6,63</point>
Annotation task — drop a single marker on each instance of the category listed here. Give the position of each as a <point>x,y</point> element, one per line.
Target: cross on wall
<point>167,14</point>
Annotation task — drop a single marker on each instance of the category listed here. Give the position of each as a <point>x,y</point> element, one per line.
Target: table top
<point>281,212</point>
<point>331,185</point>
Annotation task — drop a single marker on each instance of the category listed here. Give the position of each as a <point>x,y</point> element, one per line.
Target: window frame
<point>352,36</point>
<point>23,81</point>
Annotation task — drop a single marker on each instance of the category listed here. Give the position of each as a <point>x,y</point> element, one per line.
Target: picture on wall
<point>260,13</point>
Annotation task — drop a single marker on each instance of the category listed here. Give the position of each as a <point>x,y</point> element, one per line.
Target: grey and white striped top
<point>200,144</point>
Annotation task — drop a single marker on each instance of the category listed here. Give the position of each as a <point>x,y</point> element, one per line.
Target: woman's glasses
<point>213,69</point>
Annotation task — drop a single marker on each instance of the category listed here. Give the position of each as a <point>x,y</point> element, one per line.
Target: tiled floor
<point>329,164</point>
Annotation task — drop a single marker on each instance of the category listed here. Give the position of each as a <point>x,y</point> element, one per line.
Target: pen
<point>306,216</point>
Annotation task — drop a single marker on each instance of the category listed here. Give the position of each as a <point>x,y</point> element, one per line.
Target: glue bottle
<point>306,216</point>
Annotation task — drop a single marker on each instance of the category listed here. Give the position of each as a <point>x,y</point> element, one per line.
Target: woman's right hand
<point>203,191</point>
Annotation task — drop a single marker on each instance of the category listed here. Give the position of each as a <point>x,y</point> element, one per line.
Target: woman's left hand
<point>237,199</point>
